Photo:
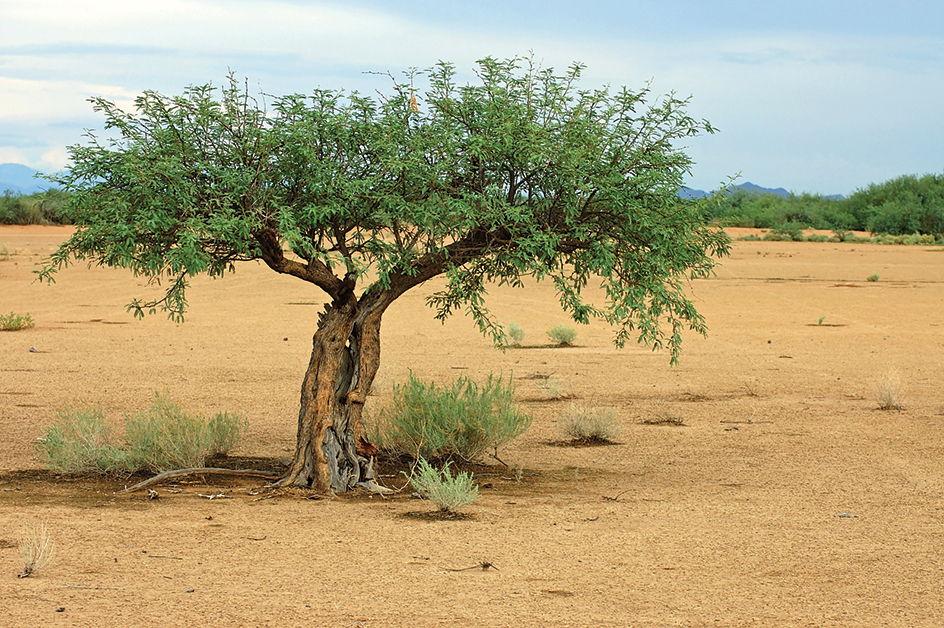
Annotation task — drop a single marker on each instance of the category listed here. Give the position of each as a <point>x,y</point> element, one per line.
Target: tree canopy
<point>521,173</point>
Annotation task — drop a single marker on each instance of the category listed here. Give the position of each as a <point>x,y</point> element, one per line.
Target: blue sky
<point>822,97</point>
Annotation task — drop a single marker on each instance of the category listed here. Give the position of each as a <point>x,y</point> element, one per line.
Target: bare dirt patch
<point>787,499</point>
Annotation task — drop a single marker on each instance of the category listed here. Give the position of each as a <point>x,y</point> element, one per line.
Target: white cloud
<point>788,103</point>
<point>25,100</point>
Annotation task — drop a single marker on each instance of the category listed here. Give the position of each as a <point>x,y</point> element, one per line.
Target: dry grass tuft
<point>36,549</point>
<point>891,391</point>
<point>584,424</point>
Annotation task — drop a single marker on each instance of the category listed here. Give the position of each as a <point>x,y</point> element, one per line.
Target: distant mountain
<point>756,189</point>
<point>19,178</point>
<point>689,193</point>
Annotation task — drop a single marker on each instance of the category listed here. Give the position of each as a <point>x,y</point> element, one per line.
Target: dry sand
<point>786,498</point>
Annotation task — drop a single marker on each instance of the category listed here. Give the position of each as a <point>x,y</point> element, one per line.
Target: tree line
<point>903,206</point>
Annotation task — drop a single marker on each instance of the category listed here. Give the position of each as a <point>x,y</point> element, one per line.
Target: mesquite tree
<point>518,174</point>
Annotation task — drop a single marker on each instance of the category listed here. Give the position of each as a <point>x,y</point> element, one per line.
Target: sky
<point>819,96</point>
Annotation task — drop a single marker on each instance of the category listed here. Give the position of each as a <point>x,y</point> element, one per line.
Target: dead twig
<point>484,566</point>
<point>618,495</point>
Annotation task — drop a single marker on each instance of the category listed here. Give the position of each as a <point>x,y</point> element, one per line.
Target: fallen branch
<point>179,473</point>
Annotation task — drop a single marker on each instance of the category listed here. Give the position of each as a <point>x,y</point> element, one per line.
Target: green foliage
<point>872,278</point>
<point>521,174</point>
<point>80,441</point>
<point>742,208</point>
<point>515,333</point>
<point>162,438</point>
<point>585,424</point>
<point>901,206</point>
<point>167,437</point>
<point>15,322</point>
<point>42,208</point>
<point>460,421</point>
<point>563,335</point>
<point>448,492</point>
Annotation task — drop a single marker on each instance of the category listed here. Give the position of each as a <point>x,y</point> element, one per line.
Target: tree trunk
<point>332,453</point>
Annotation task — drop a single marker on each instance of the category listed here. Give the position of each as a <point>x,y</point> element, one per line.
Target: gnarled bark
<point>332,453</point>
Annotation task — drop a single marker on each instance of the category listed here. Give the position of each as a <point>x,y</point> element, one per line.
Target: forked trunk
<point>332,453</point>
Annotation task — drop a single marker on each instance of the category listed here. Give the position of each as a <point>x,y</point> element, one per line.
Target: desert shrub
<point>817,237</point>
<point>449,492</point>
<point>563,335</point>
<point>515,333</point>
<point>554,388</point>
<point>161,438</point>
<point>786,232</point>
<point>36,549</point>
<point>80,442</point>
<point>223,431</point>
<point>166,436</point>
<point>587,424</point>
<point>4,253</point>
<point>462,421</point>
<point>891,391</point>
<point>872,278</point>
<point>15,322</point>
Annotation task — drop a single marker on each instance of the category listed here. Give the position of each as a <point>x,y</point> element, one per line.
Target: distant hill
<point>689,193</point>
<point>19,178</point>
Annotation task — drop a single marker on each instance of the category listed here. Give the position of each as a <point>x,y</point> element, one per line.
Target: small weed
<point>891,391</point>
<point>4,253</point>
<point>553,387</point>
<point>872,278</point>
<point>562,335</point>
<point>447,492</point>
<point>15,322</point>
<point>515,334</point>
<point>584,424</point>
<point>822,317</point>
<point>36,549</point>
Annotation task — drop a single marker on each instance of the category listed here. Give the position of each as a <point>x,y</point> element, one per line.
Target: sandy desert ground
<point>786,498</point>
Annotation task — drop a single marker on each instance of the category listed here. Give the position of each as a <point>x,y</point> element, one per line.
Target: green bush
<point>515,333</point>
<point>80,442</point>
<point>32,209</point>
<point>162,438</point>
<point>167,437</point>
<point>459,421</point>
<point>563,335</point>
<point>15,322</point>
<point>589,424</point>
<point>872,278</point>
<point>448,492</point>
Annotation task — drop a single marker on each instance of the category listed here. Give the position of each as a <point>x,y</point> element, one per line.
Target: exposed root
<point>179,473</point>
